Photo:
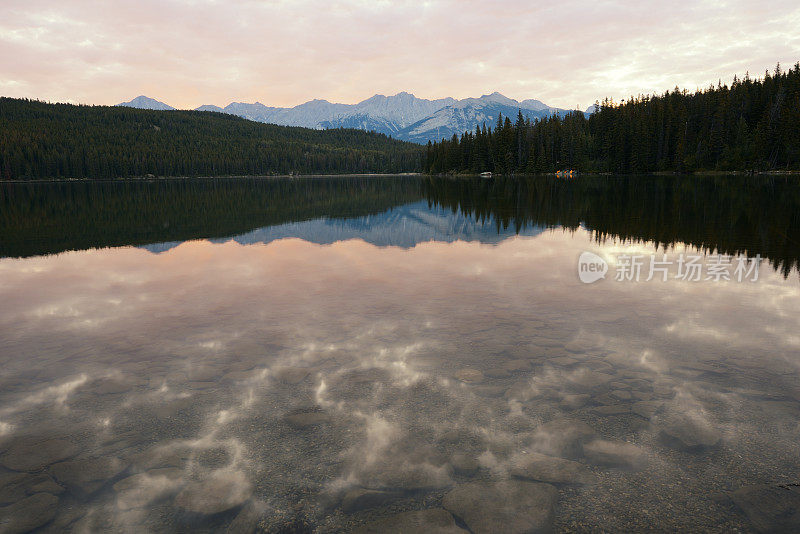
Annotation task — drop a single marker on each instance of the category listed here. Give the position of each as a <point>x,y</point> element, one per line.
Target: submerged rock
<point>306,418</point>
<point>543,468</point>
<point>469,376</point>
<point>174,409</point>
<point>246,521</point>
<point>67,518</point>
<point>562,437</point>
<point>585,379</point>
<point>646,409</point>
<point>87,475</point>
<point>203,373</point>
<point>612,409</point>
<point>686,433</point>
<point>161,457</point>
<point>214,457</point>
<point>464,464</point>
<point>510,506</point>
<point>34,454</point>
<point>580,346</point>
<point>574,401</point>
<point>462,438</point>
<point>498,373</point>
<point>518,423</point>
<point>17,486</point>
<point>522,391</point>
<point>770,508</point>
<point>139,490</point>
<point>599,365</point>
<point>615,454</point>
<point>664,390</point>
<point>12,487</point>
<point>489,391</point>
<point>434,521</point>
<point>359,499</point>
<point>292,375</point>
<point>111,385</point>
<point>517,366</point>
<point>134,481</point>
<point>44,484</point>
<point>222,491</point>
<point>28,514</point>
<point>621,394</point>
<point>563,361</point>
<point>400,475</point>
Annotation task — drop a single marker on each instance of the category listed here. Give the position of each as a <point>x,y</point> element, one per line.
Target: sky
<point>566,53</point>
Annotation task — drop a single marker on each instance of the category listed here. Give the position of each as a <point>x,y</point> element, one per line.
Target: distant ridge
<point>144,102</point>
<point>207,108</point>
<point>402,116</point>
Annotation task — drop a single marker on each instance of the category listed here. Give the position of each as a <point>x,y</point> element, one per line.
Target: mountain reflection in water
<point>335,354</point>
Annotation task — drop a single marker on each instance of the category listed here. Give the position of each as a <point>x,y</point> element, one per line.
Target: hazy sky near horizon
<point>282,53</point>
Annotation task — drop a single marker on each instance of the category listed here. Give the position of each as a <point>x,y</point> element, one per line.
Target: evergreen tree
<point>751,125</point>
<point>59,141</point>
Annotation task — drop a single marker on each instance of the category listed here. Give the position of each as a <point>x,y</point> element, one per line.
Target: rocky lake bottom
<point>445,387</point>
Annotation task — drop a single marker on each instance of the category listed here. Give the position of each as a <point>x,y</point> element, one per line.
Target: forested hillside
<point>753,124</point>
<point>40,140</point>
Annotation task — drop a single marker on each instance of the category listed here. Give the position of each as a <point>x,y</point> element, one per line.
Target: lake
<point>401,354</point>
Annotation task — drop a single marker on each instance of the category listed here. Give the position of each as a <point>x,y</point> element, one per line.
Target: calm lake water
<point>400,354</point>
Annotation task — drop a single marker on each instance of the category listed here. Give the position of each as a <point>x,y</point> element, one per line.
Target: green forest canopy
<point>753,124</point>
<point>749,125</point>
<point>41,140</point>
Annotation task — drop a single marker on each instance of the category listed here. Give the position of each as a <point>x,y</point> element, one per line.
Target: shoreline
<point>400,174</point>
<point>221,176</point>
<point>654,173</point>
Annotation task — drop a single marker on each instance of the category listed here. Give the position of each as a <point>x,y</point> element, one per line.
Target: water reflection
<point>402,226</point>
<point>351,377</point>
<point>760,215</point>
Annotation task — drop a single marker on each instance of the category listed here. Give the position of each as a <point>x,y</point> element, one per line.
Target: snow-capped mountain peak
<point>536,105</point>
<point>469,113</point>
<point>403,115</point>
<point>210,107</point>
<point>144,102</point>
<point>500,99</point>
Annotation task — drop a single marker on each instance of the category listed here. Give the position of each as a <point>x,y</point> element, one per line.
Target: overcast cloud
<point>282,53</point>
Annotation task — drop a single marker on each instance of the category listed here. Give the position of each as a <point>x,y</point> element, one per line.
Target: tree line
<point>41,140</point>
<point>751,125</point>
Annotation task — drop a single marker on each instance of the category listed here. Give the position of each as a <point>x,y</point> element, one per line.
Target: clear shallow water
<point>395,353</point>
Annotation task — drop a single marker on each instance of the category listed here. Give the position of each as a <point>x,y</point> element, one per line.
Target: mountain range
<point>402,116</point>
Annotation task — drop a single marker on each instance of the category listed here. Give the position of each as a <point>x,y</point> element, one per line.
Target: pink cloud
<point>188,53</point>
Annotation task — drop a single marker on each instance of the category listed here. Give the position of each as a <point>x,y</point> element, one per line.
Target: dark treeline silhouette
<point>47,218</point>
<point>726,215</point>
<point>751,125</point>
<point>757,215</point>
<point>40,140</point>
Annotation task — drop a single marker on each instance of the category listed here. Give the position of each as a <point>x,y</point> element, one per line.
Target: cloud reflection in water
<point>278,384</point>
